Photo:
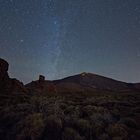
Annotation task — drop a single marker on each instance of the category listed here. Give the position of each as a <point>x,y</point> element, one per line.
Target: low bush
<point>31,127</point>
<point>117,130</point>
<point>71,134</point>
<point>53,128</point>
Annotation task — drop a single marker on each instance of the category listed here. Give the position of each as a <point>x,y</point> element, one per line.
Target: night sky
<point>59,38</point>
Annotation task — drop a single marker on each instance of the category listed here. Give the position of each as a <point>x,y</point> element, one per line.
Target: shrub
<point>84,128</point>
<point>129,122</point>
<point>71,134</point>
<point>72,111</point>
<point>53,128</point>
<point>103,136</point>
<point>31,127</point>
<point>98,128</point>
<point>63,106</point>
<point>115,130</point>
<point>86,111</point>
<point>118,138</point>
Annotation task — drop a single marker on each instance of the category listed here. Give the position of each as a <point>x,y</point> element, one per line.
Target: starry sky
<point>59,38</point>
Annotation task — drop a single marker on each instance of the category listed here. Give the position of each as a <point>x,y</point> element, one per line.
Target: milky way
<point>58,38</point>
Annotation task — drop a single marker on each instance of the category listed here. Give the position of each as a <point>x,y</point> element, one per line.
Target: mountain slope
<point>89,81</point>
<point>84,82</point>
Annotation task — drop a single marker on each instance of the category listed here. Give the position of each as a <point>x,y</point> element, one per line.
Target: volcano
<point>84,82</point>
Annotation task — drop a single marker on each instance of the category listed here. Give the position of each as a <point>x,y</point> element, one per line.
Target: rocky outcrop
<point>41,78</point>
<point>4,77</point>
<point>41,86</point>
<point>3,66</point>
<point>17,86</point>
<point>6,83</point>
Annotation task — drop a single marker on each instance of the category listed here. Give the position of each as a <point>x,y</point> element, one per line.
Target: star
<point>55,22</point>
<point>21,40</point>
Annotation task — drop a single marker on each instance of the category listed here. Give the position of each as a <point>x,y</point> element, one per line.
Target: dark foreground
<point>52,117</point>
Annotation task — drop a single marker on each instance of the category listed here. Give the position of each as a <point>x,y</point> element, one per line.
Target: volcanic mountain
<point>84,82</point>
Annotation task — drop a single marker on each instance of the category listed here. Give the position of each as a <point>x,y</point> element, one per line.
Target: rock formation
<point>6,83</point>
<point>41,78</point>
<point>4,77</point>
<point>41,86</point>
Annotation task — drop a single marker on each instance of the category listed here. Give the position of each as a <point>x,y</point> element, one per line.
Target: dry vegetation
<point>53,117</point>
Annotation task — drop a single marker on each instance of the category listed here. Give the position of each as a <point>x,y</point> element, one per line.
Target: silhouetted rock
<point>41,78</point>
<point>7,84</point>
<point>4,78</point>
<point>3,65</point>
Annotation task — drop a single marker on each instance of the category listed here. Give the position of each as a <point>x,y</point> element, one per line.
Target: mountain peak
<point>86,74</point>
